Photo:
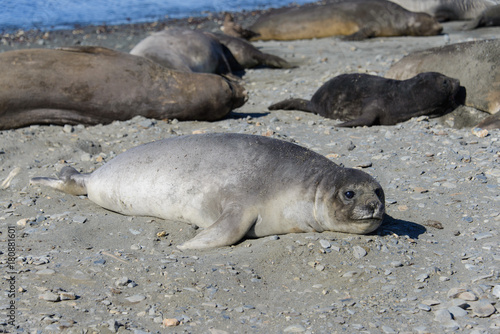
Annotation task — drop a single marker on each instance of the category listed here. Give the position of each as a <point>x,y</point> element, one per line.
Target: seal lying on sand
<point>232,185</point>
<point>199,51</point>
<point>476,64</point>
<point>448,10</point>
<point>184,50</point>
<point>242,54</point>
<point>490,17</point>
<point>363,99</point>
<point>356,20</point>
<point>92,85</point>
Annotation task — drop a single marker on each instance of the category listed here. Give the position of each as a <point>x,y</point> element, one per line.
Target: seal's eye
<point>349,194</point>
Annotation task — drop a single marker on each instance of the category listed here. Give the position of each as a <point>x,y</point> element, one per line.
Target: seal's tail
<point>293,104</point>
<point>70,181</point>
<point>274,61</point>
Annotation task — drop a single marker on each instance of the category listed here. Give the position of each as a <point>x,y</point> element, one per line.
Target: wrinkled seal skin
<point>363,99</point>
<point>490,17</point>
<point>356,20</point>
<point>476,64</point>
<point>232,185</point>
<point>93,85</point>
<point>184,50</point>
<point>448,10</point>
<point>242,54</point>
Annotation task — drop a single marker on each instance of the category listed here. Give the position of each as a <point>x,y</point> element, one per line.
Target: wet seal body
<point>356,20</point>
<point>93,85</point>
<point>184,50</point>
<point>363,99</point>
<point>481,80</point>
<point>232,185</point>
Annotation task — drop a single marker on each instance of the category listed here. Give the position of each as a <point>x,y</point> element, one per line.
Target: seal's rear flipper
<point>292,104</point>
<point>70,181</point>
<point>231,227</point>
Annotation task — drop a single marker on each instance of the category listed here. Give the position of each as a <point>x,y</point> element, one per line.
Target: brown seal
<point>363,99</point>
<point>92,85</point>
<point>356,20</point>
<point>476,64</point>
<point>242,54</point>
<point>233,186</point>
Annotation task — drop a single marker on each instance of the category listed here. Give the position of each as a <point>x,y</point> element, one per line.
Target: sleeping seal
<point>184,50</point>
<point>232,185</point>
<point>94,85</point>
<point>476,64</point>
<point>356,20</point>
<point>363,99</point>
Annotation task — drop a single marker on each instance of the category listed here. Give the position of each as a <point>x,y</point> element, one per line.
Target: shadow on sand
<point>400,227</point>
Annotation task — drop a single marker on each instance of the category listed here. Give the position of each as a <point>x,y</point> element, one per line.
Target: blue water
<point>66,14</point>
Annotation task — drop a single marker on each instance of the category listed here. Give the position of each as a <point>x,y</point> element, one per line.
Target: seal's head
<point>423,24</point>
<point>355,203</point>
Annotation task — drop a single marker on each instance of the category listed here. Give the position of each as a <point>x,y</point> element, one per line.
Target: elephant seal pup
<point>363,99</point>
<point>476,64</point>
<point>184,50</point>
<point>232,185</point>
<point>356,20</point>
<point>93,85</point>
<point>242,54</point>
<point>490,17</point>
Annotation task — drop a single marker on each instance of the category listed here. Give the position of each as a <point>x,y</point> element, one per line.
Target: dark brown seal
<point>356,20</point>
<point>92,85</point>
<point>363,99</point>
<point>476,64</point>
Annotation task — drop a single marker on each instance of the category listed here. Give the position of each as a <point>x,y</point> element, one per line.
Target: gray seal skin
<point>233,186</point>
<point>363,99</point>
<point>93,85</point>
<point>242,54</point>
<point>184,50</point>
<point>356,20</point>
<point>448,10</point>
<point>476,64</point>
<point>490,17</point>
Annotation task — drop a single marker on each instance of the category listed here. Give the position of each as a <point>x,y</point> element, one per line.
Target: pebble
<point>359,252</point>
<point>445,318</point>
<point>324,243</point>
<point>294,329</point>
<point>457,312</point>
<point>136,298</point>
<point>496,291</point>
<point>79,219</point>
<point>482,308</point>
<point>50,297</point>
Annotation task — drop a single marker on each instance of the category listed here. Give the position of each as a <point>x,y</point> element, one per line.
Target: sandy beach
<point>432,267</point>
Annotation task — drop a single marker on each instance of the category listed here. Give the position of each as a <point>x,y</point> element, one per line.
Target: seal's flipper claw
<point>230,228</point>
<point>70,181</point>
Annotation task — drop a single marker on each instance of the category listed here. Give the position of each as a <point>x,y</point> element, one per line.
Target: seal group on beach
<point>232,185</point>
<point>94,85</point>
<point>356,20</point>
<point>363,99</point>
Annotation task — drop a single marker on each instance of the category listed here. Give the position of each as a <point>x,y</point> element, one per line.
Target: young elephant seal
<point>356,20</point>
<point>94,85</point>
<point>476,64</point>
<point>363,99</point>
<point>232,185</point>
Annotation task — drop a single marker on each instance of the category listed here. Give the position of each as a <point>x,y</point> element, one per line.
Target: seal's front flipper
<point>70,181</point>
<point>230,228</point>
<point>360,35</point>
<point>363,120</point>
